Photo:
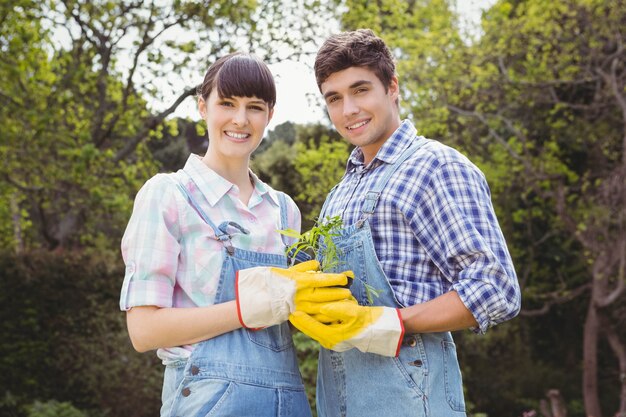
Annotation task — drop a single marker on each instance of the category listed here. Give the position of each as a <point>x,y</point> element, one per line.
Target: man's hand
<point>369,329</point>
<point>267,295</point>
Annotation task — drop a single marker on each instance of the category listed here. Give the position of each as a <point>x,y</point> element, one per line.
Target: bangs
<point>246,76</point>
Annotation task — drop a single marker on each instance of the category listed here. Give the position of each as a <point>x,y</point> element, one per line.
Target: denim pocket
<point>276,338</point>
<point>201,397</point>
<point>452,377</point>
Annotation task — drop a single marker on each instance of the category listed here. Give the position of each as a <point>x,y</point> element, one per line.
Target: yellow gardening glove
<point>267,295</point>
<point>369,329</point>
<point>311,300</point>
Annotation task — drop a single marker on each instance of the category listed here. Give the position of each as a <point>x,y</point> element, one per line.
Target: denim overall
<point>243,372</point>
<point>424,380</point>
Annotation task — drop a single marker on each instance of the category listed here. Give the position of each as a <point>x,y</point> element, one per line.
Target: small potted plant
<point>318,243</point>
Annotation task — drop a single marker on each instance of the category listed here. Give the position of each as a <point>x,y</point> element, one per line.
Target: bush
<point>63,338</point>
<point>53,409</point>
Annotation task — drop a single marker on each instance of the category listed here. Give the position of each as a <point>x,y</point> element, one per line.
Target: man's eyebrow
<point>360,83</point>
<point>329,94</point>
<point>353,85</point>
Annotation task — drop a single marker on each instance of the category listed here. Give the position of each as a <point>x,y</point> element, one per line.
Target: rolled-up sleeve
<point>151,245</point>
<point>464,239</point>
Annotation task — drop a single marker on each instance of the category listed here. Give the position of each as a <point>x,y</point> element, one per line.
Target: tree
<point>557,105</point>
<point>80,90</point>
<point>305,161</point>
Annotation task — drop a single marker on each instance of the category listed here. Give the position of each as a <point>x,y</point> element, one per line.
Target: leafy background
<point>536,97</point>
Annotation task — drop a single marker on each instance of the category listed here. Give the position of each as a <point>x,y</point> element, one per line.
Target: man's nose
<point>350,107</point>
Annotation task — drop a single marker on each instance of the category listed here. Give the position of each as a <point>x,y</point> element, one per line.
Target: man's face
<point>360,108</point>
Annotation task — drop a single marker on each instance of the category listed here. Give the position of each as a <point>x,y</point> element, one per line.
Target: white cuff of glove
<point>384,337</point>
<point>263,299</point>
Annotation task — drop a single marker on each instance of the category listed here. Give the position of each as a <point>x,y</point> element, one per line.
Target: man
<point>419,228</point>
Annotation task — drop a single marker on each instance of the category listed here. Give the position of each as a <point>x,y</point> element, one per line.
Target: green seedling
<point>310,242</point>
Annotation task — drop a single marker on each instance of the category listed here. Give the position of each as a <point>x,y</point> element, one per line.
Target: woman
<point>206,281</point>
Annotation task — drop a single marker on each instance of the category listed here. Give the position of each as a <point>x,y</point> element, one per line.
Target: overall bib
<point>243,372</point>
<point>424,380</point>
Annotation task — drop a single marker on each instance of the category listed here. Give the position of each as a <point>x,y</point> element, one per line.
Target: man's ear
<point>394,88</point>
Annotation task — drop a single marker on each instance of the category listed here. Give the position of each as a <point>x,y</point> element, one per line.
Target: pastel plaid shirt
<point>434,229</point>
<point>172,257</point>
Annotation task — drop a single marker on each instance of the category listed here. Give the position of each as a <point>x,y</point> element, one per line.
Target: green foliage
<point>64,339</point>
<point>320,167</point>
<point>305,161</point>
<point>317,242</point>
<point>53,409</point>
<point>276,166</point>
<point>82,87</point>
<point>307,351</point>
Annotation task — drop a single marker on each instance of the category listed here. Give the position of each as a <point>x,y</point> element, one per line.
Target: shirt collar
<point>214,187</point>
<point>263,190</point>
<point>391,149</point>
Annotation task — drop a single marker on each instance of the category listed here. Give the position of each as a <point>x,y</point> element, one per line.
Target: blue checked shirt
<point>434,228</point>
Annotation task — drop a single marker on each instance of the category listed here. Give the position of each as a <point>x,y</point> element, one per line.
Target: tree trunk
<point>590,362</point>
<point>16,217</point>
<point>620,353</point>
<point>557,404</point>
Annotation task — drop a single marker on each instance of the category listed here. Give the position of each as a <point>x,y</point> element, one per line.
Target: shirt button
<point>186,392</point>
<point>416,362</point>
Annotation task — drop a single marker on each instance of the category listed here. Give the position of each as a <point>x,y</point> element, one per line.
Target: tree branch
<point>619,350</point>
<point>557,298</point>
<point>621,280</point>
<point>19,186</point>
<point>146,41</point>
<point>150,124</point>
<point>492,132</point>
<point>611,79</point>
<point>543,84</point>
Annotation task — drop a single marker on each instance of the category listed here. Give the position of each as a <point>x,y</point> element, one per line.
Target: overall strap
<point>282,202</point>
<point>300,256</point>
<point>372,196</point>
<point>221,231</point>
<point>330,193</point>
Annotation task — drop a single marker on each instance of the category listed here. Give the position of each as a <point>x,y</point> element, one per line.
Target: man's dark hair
<point>358,48</point>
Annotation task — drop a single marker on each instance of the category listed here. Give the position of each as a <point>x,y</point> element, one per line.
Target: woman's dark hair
<point>239,75</point>
<point>358,48</point>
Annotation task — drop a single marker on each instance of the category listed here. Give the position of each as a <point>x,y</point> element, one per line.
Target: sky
<point>297,91</point>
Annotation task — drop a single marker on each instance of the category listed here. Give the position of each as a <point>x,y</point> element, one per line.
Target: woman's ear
<point>270,115</point>
<point>202,107</point>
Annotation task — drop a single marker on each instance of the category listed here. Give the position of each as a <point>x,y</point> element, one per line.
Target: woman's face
<point>235,124</point>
